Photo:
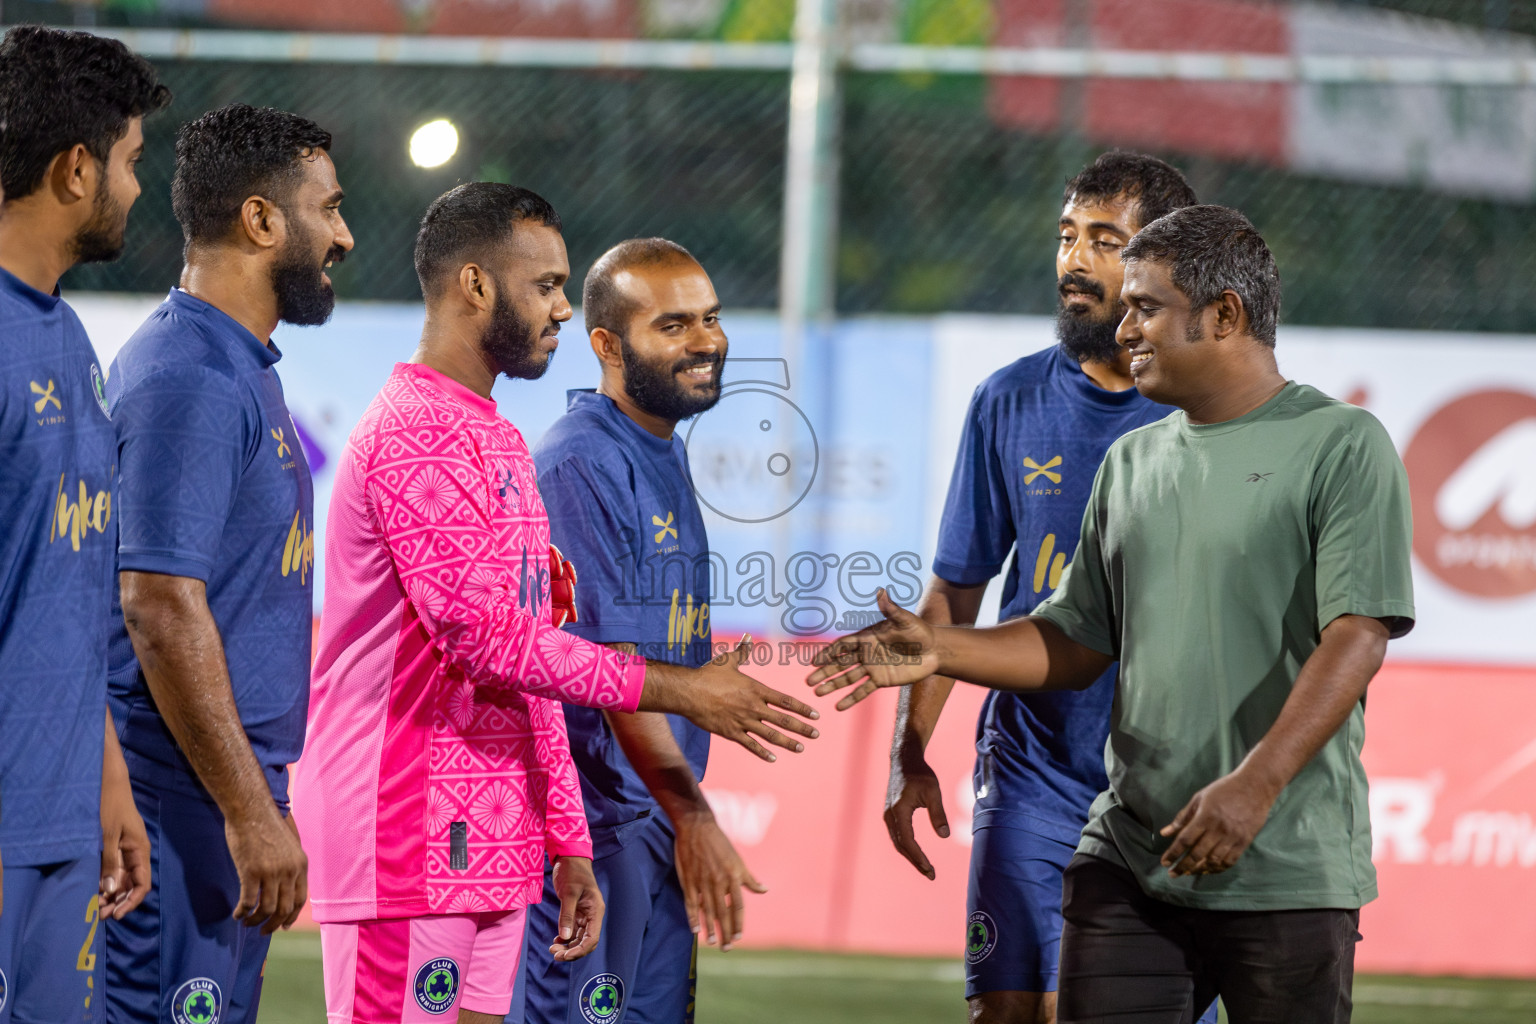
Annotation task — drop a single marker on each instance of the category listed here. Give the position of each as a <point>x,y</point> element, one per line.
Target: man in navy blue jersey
<point>73,847</point>
<point>1034,436</point>
<point>209,679</point>
<point>615,479</point>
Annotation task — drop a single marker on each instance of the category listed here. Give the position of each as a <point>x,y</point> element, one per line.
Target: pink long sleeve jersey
<point>437,771</point>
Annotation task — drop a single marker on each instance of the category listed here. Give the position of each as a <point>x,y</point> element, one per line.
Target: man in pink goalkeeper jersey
<point>438,774</point>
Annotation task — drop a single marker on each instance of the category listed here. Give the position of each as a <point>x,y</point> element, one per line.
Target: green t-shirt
<point>1211,558</point>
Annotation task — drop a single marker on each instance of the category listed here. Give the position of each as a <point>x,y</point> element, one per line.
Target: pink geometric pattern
<point>437,547</point>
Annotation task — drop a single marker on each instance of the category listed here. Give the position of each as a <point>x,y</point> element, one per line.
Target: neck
<point>1114,376</point>
<point>235,285</point>
<point>652,424</point>
<point>451,346</point>
<point>1241,388</point>
<point>32,247</point>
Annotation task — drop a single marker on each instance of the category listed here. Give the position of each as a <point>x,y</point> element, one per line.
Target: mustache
<point>552,330</point>
<point>1080,283</point>
<point>335,254</point>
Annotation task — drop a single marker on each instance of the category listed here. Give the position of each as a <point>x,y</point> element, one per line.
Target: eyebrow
<point>336,197</point>
<point>1104,225</point>
<point>661,318</point>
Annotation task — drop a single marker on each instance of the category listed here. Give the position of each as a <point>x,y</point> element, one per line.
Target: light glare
<point>434,143</point>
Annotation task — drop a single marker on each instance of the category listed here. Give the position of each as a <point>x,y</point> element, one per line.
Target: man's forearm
<point>1330,684</point>
<point>647,741</point>
<point>1020,655</point>
<point>182,657</point>
<point>918,706</point>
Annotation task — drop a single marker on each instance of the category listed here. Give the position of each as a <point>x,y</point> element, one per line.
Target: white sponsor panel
<point>1461,409</point>
<point>1458,139</point>
<point>743,817</point>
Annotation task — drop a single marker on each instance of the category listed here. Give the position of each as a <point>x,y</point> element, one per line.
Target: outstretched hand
<point>896,651</point>
<point>734,705</point>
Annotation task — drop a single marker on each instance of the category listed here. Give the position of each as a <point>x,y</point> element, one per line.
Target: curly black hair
<point>60,89</point>
<point>230,154</point>
<point>466,223</point>
<point>1157,188</point>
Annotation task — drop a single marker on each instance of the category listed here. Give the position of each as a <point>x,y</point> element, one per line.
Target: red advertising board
<point>1451,752</point>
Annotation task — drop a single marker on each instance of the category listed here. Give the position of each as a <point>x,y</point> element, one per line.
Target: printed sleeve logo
<point>1042,470</point>
<point>99,389</point>
<point>980,937</point>
<point>666,527</point>
<point>197,1002</point>
<point>437,985</point>
<point>602,999</point>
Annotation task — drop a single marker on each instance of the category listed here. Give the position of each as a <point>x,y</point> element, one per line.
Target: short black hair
<point>1210,250</point>
<point>1155,187</point>
<point>603,303</point>
<point>230,154</point>
<point>467,223</point>
<point>60,89</point>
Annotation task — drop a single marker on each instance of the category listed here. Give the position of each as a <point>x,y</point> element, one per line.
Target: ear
<point>1231,317</point>
<point>73,174</point>
<point>607,347</point>
<point>262,223</point>
<point>476,287</point>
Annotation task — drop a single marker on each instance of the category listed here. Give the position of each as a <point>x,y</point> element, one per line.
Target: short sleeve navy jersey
<point>622,509</point>
<point>214,486</point>
<point>57,458</point>
<point>1034,436</point>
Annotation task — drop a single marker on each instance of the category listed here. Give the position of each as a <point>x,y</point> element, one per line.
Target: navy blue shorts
<point>50,972</point>
<point>180,958</point>
<point>1013,911</point>
<point>643,969</point>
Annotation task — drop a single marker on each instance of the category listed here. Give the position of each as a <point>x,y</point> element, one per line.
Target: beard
<point>512,343</point>
<point>304,297</point>
<point>655,389</point>
<point>101,239</point>
<point>1083,337</point>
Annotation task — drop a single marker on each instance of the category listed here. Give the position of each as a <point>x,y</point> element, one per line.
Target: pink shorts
<point>419,969</point>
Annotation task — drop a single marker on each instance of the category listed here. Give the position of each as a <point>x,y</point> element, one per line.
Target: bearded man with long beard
<point>439,775</point>
<point>209,668</point>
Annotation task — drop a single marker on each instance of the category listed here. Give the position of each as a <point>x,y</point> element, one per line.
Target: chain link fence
<point>1387,205</point>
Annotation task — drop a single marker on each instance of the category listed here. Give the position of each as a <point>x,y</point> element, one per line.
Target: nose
<point>1128,333</point>
<point>343,235</point>
<point>562,311</point>
<point>1076,256</point>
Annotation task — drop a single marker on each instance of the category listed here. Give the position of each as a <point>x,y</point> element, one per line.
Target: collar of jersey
<point>1281,398</point>
<point>17,288</point>
<point>1079,383</point>
<point>603,406</point>
<point>190,305</point>
<point>483,407</point>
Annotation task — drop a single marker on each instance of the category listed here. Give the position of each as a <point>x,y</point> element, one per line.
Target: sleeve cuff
<point>1399,615</point>
<point>632,680</point>
<point>1076,629</point>
<point>611,632</point>
<point>568,848</point>
<point>164,563</point>
<point>965,576</point>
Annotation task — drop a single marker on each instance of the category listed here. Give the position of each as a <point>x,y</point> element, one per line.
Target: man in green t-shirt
<point>1246,560</point>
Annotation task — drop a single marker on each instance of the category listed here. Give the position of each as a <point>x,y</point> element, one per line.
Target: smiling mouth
<point>1139,360</point>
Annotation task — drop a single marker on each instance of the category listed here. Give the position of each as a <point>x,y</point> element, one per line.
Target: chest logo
<point>666,527</point>
<point>1037,470</point>
<point>1259,478</point>
<point>47,397</point>
<point>283,447</point>
<point>506,485</point>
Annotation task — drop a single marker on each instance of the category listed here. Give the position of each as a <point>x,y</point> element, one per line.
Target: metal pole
<point>808,261</point>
